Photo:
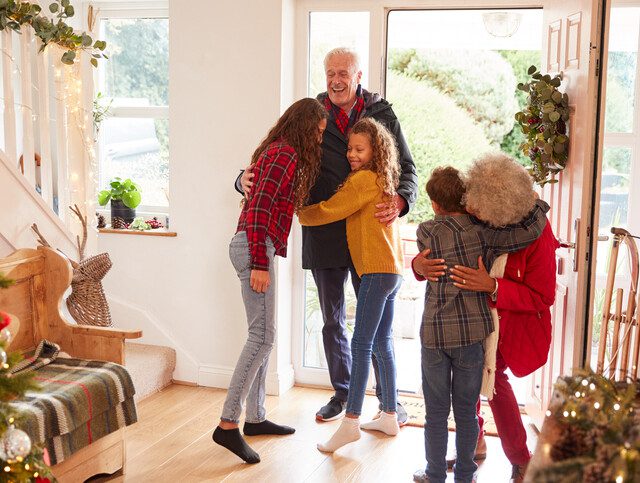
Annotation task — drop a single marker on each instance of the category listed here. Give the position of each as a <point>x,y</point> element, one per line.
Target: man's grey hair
<point>499,191</point>
<point>355,58</point>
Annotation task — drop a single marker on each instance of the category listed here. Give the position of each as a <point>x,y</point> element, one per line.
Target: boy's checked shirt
<point>456,317</point>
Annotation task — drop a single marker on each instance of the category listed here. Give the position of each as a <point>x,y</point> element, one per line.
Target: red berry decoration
<point>154,223</point>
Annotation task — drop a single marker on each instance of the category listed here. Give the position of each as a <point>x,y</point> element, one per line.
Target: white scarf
<point>491,342</point>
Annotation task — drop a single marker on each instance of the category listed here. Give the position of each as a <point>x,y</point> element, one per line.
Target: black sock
<point>266,427</point>
<point>234,442</point>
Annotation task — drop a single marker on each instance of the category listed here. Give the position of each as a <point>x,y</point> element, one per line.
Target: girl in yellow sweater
<point>377,257</point>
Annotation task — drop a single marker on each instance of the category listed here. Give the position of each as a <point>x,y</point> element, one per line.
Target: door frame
<point>378,13</point>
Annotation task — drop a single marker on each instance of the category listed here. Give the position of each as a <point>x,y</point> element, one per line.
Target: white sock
<point>387,423</point>
<point>348,432</point>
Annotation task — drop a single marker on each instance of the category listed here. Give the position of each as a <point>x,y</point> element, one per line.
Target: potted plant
<point>125,197</point>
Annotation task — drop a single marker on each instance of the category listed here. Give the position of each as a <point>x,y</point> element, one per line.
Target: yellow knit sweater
<point>374,247</point>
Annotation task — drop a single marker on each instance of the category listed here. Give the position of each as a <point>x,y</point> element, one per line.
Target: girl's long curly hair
<point>385,154</point>
<point>299,128</point>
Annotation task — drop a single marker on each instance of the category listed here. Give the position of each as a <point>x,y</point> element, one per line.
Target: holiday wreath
<point>544,123</point>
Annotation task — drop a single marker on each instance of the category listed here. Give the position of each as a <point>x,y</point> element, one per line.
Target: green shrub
<point>479,81</point>
<point>520,61</point>
<point>437,130</point>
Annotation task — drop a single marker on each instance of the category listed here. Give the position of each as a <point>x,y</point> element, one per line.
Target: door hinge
<point>597,67</point>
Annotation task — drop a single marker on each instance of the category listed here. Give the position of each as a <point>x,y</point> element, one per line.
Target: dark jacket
<point>326,246</point>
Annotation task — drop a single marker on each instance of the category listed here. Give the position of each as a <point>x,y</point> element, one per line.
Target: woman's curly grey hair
<point>499,191</point>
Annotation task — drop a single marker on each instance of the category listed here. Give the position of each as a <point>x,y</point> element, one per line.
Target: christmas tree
<point>20,461</point>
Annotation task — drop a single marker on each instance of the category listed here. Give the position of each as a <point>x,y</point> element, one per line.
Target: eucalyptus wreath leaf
<point>556,96</point>
<point>69,11</point>
<point>94,62</point>
<point>554,116</point>
<point>65,3</point>
<point>532,70</point>
<point>558,148</point>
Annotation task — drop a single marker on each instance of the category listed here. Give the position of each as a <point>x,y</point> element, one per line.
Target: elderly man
<point>324,248</point>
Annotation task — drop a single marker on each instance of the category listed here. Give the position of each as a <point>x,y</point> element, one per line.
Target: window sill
<point>156,232</point>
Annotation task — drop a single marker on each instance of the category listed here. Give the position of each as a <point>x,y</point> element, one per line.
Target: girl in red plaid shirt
<point>287,163</point>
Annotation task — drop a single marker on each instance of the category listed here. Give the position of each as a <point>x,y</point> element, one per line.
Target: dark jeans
<point>331,283</point>
<point>451,377</point>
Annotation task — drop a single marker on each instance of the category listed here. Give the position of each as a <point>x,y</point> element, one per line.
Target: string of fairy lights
<point>81,116</point>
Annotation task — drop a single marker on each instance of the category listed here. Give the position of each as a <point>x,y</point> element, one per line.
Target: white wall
<point>226,89</point>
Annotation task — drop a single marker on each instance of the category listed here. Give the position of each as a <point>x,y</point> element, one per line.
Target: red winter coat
<point>525,294</point>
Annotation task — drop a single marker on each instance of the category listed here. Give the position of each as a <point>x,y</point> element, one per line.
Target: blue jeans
<point>451,376</point>
<point>249,376</point>
<point>374,319</point>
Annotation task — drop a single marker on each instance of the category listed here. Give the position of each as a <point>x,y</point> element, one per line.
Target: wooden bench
<point>42,277</point>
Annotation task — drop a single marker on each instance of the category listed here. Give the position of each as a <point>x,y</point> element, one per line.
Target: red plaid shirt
<point>269,210</point>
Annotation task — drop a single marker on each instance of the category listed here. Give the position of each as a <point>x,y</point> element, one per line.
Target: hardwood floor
<point>172,442</point>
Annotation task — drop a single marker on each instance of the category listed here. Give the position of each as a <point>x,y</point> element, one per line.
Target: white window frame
<point>378,12</point>
<point>630,140</point>
<point>130,10</point>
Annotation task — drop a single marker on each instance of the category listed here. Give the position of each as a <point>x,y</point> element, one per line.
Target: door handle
<point>572,245</point>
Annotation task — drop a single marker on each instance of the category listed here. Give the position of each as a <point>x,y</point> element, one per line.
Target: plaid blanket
<point>44,354</point>
<point>80,402</point>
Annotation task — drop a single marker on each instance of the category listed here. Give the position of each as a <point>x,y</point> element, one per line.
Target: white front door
<point>571,37</point>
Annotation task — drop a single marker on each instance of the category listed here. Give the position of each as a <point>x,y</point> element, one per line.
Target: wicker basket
<point>87,302</point>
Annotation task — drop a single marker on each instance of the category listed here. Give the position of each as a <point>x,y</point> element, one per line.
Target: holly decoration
<point>544,124</point>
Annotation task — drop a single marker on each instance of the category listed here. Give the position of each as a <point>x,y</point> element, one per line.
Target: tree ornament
<point>15,443</point>
<point>5,335</point>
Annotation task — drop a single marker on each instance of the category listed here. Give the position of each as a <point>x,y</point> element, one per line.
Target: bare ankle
<point>226,425</point>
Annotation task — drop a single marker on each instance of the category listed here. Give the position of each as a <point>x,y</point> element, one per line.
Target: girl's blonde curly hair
<point>499,191</point>
<point>385,154</point>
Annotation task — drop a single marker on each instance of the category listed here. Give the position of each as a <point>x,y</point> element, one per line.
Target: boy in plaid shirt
<point>456,322</point>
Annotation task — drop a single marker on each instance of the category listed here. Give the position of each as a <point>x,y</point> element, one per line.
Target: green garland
<point>15,13</point>
<point>600,430</point>
<point>544,123</point>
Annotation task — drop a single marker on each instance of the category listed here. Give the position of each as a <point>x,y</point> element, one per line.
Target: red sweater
<point>525,294</point>
<point>269,211</point>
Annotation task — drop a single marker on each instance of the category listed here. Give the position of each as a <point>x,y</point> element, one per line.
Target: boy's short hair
<point>446,188</point>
